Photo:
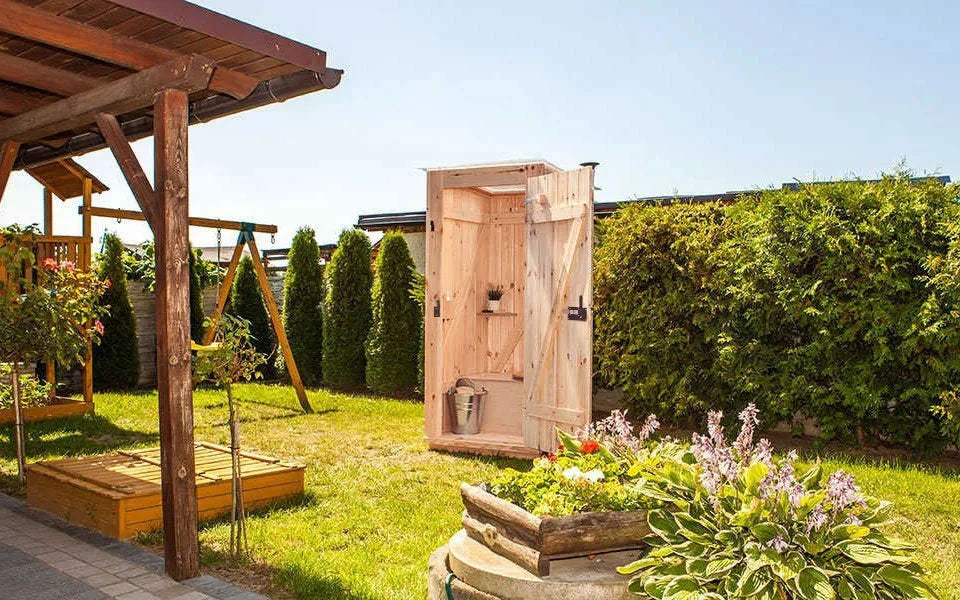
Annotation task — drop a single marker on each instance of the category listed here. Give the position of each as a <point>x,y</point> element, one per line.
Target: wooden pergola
<point>81,75</point>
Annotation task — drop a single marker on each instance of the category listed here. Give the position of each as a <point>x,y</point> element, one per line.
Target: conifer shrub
<point>302,316</point>
<point>393,343</point>
<point>116,361</point>
<point>346,311</point>
<point>196,298</point>
<point>246,302</point>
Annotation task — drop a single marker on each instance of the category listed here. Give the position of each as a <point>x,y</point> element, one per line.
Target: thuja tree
<point>116,360</point>
<point>196,297</point>
<point>231,358</point>
<point>42,320</point>
<point>346,311</point>
<point>418,293</point>
<point>392,345</point>
<point>302,296</point>
<point>246,302</point>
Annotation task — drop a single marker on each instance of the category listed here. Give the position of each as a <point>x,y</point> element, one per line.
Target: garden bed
<point>60,408</point>
<point>532,542</point>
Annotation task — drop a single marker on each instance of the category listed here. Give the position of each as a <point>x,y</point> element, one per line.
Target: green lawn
<point>378,502</point>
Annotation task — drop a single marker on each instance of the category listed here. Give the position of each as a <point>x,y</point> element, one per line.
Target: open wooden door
<point>558,305</point>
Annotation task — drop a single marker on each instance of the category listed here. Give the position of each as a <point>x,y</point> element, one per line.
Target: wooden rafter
<point>8,154</point>
<point>187,74</point>
<point>143,192</point>
<point>60,32</point>
<point>43,77</point>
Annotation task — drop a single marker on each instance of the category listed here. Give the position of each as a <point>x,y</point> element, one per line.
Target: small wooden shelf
<point>496,314</point>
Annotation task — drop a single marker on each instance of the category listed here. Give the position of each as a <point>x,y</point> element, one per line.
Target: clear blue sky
<point>668,96</point>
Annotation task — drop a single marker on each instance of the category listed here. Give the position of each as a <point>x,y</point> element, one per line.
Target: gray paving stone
<point>118,589</point>
<point>138,595</point>
<point>101,579</point>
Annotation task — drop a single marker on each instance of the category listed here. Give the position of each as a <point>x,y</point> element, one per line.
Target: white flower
<point>575,474</point>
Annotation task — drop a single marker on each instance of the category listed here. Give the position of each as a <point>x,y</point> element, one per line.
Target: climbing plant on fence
<point>302,296</point>
<point>346,311</point>
<point>116,361</point>
<point>393,343</point>
<point>832,301</point>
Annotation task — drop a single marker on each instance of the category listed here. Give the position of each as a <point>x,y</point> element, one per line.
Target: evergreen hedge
<point>393,345</point>
<point>116,360</point>
<point>302,316</point>
<point>346,311</point>
<point>196,298</point>
<point>836,302</point>
<point>246,302</point>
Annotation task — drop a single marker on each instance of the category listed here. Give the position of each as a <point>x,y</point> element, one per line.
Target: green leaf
<point>643,563</point>
<point>686,521</point>
<point>813,584</point>
<point>569,442</point>
<point>868,554</point>
<point>719,566</point>
<point>766,531</point>
<point>811,479</point>
<point>662,523</point>
<point>754,475</point>
<point>682,588</point>
<point>909,584</point>
<point>842,533</point>
<point>656,586</point>
<point>752,582</point>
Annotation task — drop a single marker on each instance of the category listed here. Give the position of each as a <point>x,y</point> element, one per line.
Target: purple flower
<point>650,426</point>
<point>617,431</point>
<point>763,452</point>
<point>842,491</point>
<point>779,544</point>
<point>715,427</point>
<point>816,519</point>
<point>748,426</point>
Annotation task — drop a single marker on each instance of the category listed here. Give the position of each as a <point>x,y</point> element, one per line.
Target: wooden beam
<point>132,215</point>
<point>51,29</point>
<point>225,286</point>
<point>433,301</point>
<point>87,228</point>
<point>13,102</point>
<point>42,77</point>
<point>47,211</point>
<point>129,165</point>
<point>199,19</point>
<point>282,341</point>
<point>177,466</point>
<point>8,154</point>
<point>469,177</point>
<point>188,74</point>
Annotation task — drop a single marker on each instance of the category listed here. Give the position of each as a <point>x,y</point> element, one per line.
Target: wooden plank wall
<point>505,266</point>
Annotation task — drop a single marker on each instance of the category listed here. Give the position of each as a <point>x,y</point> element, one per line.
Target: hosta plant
<point>741,523</point>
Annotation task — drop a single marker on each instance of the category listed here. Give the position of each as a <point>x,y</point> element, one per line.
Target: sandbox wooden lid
<point>130,474</point>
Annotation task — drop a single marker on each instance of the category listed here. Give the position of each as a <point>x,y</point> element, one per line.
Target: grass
<point>377,502</point>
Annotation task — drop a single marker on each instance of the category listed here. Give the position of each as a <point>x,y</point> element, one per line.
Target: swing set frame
<point>246,238</point>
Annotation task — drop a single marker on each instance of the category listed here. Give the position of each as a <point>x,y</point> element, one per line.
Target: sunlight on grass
<point>378,502</point>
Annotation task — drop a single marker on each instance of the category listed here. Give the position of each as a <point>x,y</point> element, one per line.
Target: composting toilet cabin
<point>526,228</point>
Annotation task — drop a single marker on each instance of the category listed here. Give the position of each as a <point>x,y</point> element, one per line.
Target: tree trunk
<point>238,527</point>
<point>18,426</point>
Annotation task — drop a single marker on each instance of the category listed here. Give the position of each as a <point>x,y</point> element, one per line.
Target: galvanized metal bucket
<point>465,401</point>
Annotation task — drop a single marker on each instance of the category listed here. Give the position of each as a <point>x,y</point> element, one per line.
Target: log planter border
<point>532,542</point>
<point>61,408</point>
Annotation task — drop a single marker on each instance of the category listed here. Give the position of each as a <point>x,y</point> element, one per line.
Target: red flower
<point>98,327</point>
<point>106,283</point>
<point>50,263</point>
<point>552,457</point>
<point>559,447</point>
<point>589,446</point>
<point>68,265</point>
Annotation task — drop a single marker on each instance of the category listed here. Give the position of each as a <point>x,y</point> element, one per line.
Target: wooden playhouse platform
<point>119,494</point>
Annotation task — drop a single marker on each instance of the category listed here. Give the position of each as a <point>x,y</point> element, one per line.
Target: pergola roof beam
<point>277,89</point>
<point>188,74</point>
<point>42,77</point>
<point>60,32</point>
<point>214,24</point>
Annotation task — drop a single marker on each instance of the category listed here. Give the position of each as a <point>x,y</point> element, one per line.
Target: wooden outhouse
<point>525,227</point>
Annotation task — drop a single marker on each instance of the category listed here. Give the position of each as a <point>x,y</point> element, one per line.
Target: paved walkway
<point>44,558</point>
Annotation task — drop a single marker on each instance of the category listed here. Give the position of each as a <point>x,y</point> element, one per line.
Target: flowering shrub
<point>740,523</point>
<point>589,471</point>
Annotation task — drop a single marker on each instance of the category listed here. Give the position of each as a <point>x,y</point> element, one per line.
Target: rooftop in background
<point>416,220</point>
<point>112,55</point>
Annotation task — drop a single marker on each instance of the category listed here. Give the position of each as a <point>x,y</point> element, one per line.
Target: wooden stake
<point>178,477</point>
<point>85,266</point>
<point>18,426</point>
<point>284,344</point>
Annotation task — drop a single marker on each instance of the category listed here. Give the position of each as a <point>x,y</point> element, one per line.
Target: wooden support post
<point>177,466</point>
<point>85,266</point>
<point>433,322</point>
<point>143,192</point>
<point>47,211</point>
<point>284,344</point>
<point>8,154</point>
<point>225,286</point>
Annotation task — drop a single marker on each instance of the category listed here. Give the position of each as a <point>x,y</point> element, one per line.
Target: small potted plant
<point>494,294</point>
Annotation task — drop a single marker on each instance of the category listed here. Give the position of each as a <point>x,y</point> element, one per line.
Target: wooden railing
<point>75,249</point>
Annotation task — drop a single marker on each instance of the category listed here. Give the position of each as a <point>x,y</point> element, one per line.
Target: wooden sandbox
<point>119,494</point>
<point>61,408</point>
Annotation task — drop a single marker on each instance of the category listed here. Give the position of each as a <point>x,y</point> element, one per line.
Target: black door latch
<point>577,313</point>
